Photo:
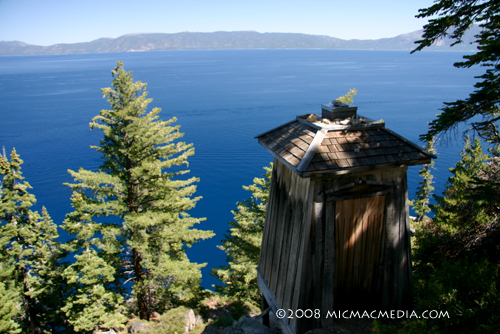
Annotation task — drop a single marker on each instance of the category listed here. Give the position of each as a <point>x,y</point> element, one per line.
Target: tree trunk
<point>138,271</point>
<point>30,310</point>
<point>141,296</point>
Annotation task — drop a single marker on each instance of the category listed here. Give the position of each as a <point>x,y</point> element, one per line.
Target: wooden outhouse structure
<point>337,233</point>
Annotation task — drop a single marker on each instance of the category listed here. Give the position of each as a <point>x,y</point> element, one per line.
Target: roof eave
<point>366,168</point>
<point>289,165</point>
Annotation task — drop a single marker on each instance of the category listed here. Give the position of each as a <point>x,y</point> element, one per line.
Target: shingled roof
<point>311,148</point>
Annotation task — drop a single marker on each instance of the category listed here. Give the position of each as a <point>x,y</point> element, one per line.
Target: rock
<point>222,330</point>
<point>190,320</point>
<point>260,318</point>
<point>337,103</point>
<point>136,327</point>
<point>312,118</point>
<point>111,331</point>
<point>219,313</point>
<point>245,324</point>
<point>233,330</point>
<point>252,326</point>
<point>199,320</point>
<point>209,329</point>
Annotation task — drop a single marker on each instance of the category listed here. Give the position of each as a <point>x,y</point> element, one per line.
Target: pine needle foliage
<point>460,207</point>
<point>480,110</point>
<point>242,244</point>
<point>29,252</point>
<point>9,302</point>
<point>140,187</point>
<point>456,255</point>
<point>425,188</point>
<point>91,304</point>
<point>349,97</point>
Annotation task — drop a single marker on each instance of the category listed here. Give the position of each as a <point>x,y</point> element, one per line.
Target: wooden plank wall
<point>358,242</point>
<point>297,260</point>
<point>393,279</point>
<point>286,236</point>
<point>395,282</point>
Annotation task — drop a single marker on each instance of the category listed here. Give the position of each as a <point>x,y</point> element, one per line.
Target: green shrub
<point>467,289</point>
<point>171,322</point>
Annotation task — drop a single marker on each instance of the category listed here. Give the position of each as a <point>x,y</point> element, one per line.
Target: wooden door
<point>358,241</point>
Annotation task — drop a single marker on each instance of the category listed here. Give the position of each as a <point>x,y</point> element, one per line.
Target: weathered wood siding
<point>396,280</point>
<point>285,238</point>
<point>329,240</point>
<point>359,225</point>
<point>382,246</point>
<point>383,195</point>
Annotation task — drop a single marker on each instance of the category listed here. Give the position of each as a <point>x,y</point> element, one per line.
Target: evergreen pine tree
<point>8,310</point>
<point>459,208</point>
<point>29,253</point>
<point>137,184</point>
<point>451,19</point>
<point>90,303</point>
<point>487,193</point>
<point>425,188</point>
<point>243,243</point>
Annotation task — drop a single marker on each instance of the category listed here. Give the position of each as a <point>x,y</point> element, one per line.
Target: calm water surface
<point>222,99</point>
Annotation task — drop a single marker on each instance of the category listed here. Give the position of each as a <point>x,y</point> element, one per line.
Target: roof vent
<point>341,112</point>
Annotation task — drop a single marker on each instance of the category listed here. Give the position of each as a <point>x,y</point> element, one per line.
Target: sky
<point>47,22</point>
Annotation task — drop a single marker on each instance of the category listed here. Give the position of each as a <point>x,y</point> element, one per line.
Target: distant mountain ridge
<point>228,40</point>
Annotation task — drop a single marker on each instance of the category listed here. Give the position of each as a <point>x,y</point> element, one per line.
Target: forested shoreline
<point>125,260</point>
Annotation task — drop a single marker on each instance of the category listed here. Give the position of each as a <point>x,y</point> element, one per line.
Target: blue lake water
<point>222,99</point>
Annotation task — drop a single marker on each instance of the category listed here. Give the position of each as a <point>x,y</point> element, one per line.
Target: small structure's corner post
<point>319,244</point>
<point>408,292</point>
<point>388,282</point>
<point>328,302</point>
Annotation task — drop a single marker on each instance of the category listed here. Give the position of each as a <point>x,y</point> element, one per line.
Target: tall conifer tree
<point>425,188</point>
<point>29,252</point>
<point>139,184</point>
<point>243,243</point>
<point>460,206</point>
